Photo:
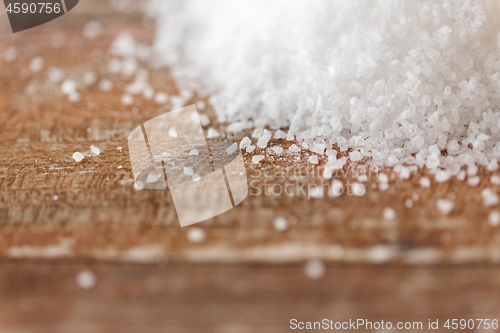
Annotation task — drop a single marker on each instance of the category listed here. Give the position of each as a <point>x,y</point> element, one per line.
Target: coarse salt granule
<point>494,218</point>
<point>445,206</point>
<point>277,150</point>
<point>408,203</point>
<point>127,99</point>
<point>294,148</point>
<point>78,156</point>
<point>313,159</point>
<point>257,158</point>
<point>490,198</point>
<point>196,235</point>
<point>389,214</point>
<point>250,148</point>
<point>212,133</point>
<point>314,269</point>
<point>95,150</point>
<point>193,152</point>
<point>280,224</point>
<point>425,182</point>
<point>245,142</point>
<point>473,181</point>
<point>232,148</point>
<point>86,279</point>
<point>188,171</point>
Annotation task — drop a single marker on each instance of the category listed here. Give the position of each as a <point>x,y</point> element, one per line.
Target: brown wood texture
<point>234,281</point>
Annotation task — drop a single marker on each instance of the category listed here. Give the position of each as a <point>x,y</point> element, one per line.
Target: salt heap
<point>398,81</point>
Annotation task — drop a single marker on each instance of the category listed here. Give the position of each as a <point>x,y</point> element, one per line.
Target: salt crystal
<point>201,105</point>
<point>445,206</point>
<point>473,181</point>
<point>494,218</point>
<point>78,156</point>
<point>383,186</point>
<point>336,188</point>
<point>161,97</point>
<point>257,158</point>
<point>212,133</point>
<point>188,171</point>
<point>95,150</point>
<point>383,178</point>
<point>196,235</point>
<point>127,99</point>
<point>389,214</point>
<point>408,203</point>
<point>55,197</point>
<point>280,224</point>
<point>138,185</point>
<point>250,148</point>
<point>86,279</point>
<point>425,182</point>
<point>172,132</point>
<point>294,148</point>
<point>277,150</point>
<point>120,167</point>
<point>279,134</point>
<point>358,189</point>
<point>355,156</point>
<point>232,148</point>
<point>36,64</point>
<point>490,198</point>
<point>314,269</point>
<point>193,152</point>
<point>245,142</point>
<point>442,176</point>
<point>313,159</point>
<point>89,78</point>
<point>92,29</point>
<point>106,85</point>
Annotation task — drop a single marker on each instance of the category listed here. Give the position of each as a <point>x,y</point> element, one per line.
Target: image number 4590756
<point>28,14</point>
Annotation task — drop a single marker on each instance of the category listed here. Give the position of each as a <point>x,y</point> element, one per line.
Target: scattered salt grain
<point>277,150</point>
<point>161,97</point>
<point>89,78</point>
<point>490,198</point>
<point>201,105</point>
<point>425,182</point>
<point>212,133</point>
<point>445,206</point>
<point>358,189</point>
<point>294,148</point>
<point>314,269</point>
<point>86,279</point>
<point>495,180</point>
<point>280,224</point>
<point>196,235</point>
<point>78,156</point>
<point>279,134</point>
<point>473,181</point>
<point>442,176</point>
<point>336,188</point>
<point>232,148</point>
<point>257,158</point>
<point>383,186</point>
<point>92,29</point>
<point>36,64</point>
<point>250,148</point>
<point>313,159</point>
<point>494,218</point>
<point>408,203</point>
<point>55,197</point>
<point>193,152</point>
<point>120,167</point>
<point>95,150</point>
<point>127,99</point>
<point>355,156</point>
<point>389,214</point>
<point>172,133</point>
<point>10,54</point>
<point>245,142</point>
<point>106,85</point>
<point>188,171</point>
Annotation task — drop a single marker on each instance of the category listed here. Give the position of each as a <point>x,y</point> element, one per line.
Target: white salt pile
<point>397,81</point>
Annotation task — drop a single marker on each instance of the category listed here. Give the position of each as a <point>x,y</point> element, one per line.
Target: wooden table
<point>246,276</point>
